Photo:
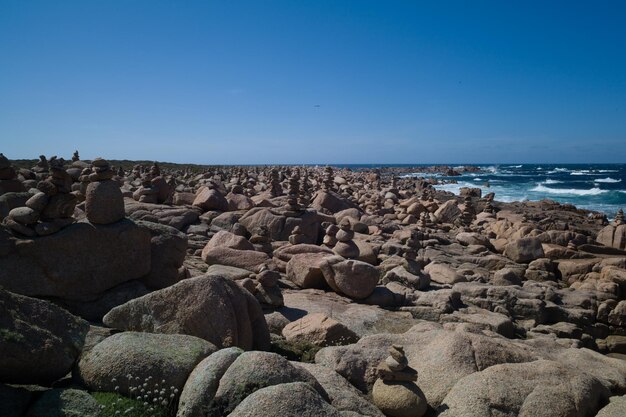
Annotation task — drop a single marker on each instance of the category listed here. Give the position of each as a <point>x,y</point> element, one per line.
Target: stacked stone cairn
<point>104,203</point>
<point>468,214</point>
<point>41,167</point>
<point>275,188</point>
<point>146,193</point>
<point>261,240</point>
<point>292,207</point>
<point>297,237</point>
<point>75,157</point>
<point>267,291</point>
<point>395,392</point>
<point>345,246</point>
<point>329,179</point>
<point>330,239</point>
<point>49,210</point>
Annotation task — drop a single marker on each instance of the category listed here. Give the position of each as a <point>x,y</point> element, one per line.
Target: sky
<point>324,81</point>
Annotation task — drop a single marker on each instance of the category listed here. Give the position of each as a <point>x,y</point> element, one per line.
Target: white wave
<point>514,166</point>
<point>539,168</point>
<point>492,169</point>
<point>549,182</point>
<point>608,180</point>
<point>607,170</point>
<point>557,170</point>
<point>478,179</point>
<point>571,191</point>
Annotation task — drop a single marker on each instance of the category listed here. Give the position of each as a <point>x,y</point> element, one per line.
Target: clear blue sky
<point>322,81</point>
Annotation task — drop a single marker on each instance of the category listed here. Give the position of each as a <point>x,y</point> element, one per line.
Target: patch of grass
<point>116,405</point>
<point>295,351</point>
<point>7,335</point>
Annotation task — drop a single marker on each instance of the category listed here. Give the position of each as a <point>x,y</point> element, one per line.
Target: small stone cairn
<point>395,392</point>
<point>345,246</point>
<point>104,203</point>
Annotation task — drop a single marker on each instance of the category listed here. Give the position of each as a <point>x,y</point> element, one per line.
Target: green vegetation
<point>295,351</point>
<point>7,335</point>
<point>116,405</point>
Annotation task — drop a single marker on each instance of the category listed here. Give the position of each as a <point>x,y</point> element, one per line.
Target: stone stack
<point>469,213</point>
<point>297,237</point>
<point>329,179</point>
<point>304,199</point>
<point>395,392</point>
<point>345,246</point>
<point>330,239</point>
<point>489,208</point>
<point>48,211</point>
<point>275,188</point>
<point>41,167</point>
<point>261,240</point>
<point>267,291</point>
<point>146,193</point>
<point>292,207</point>
<point>619,218</point>
<point>8,177</point>
<point>84,181</point>
<point>104,203</point>
<point>75,156</point>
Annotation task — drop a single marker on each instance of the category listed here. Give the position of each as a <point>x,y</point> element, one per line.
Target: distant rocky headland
<point>153,289</point>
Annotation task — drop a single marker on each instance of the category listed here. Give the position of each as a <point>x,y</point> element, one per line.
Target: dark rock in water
<point>39,341</point>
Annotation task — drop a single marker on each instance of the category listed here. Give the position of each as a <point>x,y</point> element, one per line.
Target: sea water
<point>592,187</point>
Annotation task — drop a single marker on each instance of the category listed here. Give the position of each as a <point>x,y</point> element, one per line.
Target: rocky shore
<point>153,290</point>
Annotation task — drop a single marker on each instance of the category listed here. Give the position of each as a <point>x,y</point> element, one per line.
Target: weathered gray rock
<point>39,341</point>
<point>524,250</point>
<point>104,203</point>
<point>615,408</point>
<point>169,357</point>
<point>202,383</point>
<point>65,402</point>
<point>542,388</point>
<point>77,263</point>
<point>320,330</point>
<point>355,279</point>
<point>443,273</point>
<point>304,270</point>
<point>343,396</point>
<point>252,371</point>
<point>168,248</point>
<point>295,399</point>
<point>211,307</point>
<point>210,199</point>
<point>246,259</point>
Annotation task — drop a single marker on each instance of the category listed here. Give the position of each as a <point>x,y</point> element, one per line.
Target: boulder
<point>399,399</point>
<point>304,270</point>
<point>443,273</point>
<point>239,202</point>
<point>210,199</point>
<point>613,236</point>
<point>615,408</point>
<point>246,259</point>
<point>64,402</point>
<point>542,388</point>
<point>168,357</point>
<point>448,212</point>
<point>354,279</point>
<point>294,399</point>
<point>104,203</point>
<point>77,263</point>
<point>211,307</point>
<point>320,330</point>
<point>252,371</point>
<point>524,250</point>
<point>39,341</point>
<point>202,383</point>
<point>401,275</point>
<point>168,248</point>
<point>224,239</point>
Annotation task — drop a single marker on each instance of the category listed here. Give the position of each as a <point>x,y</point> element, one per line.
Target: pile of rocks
<point>345,246</point>
<point>104,201</point>
<point>49,210</point>
<point>8,177</point>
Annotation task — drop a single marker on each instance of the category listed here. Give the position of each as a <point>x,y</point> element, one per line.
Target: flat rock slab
<point>360,318</point>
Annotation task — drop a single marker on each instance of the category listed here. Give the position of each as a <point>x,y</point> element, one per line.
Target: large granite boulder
<point>39,341</point>
<point>295,399</point>
<point>211,307</point>
<point>210,199</point>
<point>245,259</point>
<point>536,389</point>
<point>78,263</point>
<point>168,248</point>
<point>168,357</point>
<point>280,226</point>
<point>524,250</point>
<point>64,402</point>
<point>613,236</point>
<point>355,279</point>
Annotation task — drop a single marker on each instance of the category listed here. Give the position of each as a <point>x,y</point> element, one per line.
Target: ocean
<point>593,187</point>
